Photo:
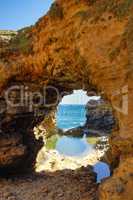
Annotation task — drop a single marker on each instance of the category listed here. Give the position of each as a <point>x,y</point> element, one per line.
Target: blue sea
<point>70,116</point>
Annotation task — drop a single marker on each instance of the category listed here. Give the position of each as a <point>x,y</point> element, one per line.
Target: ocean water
<point>102,170</point>
<point>70,116</point>
<point>74,147</point>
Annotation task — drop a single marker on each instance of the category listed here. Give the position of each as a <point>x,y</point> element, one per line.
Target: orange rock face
<point>119,186</point>
<point>83,45</point>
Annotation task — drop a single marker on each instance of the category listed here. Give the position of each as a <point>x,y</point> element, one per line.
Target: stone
<point>100,119</point>
<point>91,47</point>
<point>58,185</point>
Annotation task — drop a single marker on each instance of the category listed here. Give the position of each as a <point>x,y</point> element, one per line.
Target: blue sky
<point>16,14</point>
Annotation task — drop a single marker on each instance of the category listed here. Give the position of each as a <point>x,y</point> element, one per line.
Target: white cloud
<point>78,97</point>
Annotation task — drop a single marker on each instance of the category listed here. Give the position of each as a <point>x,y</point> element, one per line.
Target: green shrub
<point>56,11</point>
<point>22,41</point>
<point>93,140</point>
<point>51,142</point>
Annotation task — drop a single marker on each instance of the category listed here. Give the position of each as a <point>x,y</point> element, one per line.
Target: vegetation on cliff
<point>22,42</point>
<point>52,61</point>
<point>56,11</point>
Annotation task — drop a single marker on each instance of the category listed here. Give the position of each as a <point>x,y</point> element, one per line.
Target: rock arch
<point>86,46</point>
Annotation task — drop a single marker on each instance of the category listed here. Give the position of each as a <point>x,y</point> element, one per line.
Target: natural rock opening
<point>76,134</point>
<point>88,46</point>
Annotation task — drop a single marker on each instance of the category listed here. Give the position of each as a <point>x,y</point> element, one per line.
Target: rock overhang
<point>89,47</point>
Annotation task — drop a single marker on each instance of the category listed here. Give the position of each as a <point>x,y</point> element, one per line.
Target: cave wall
<point>79,45</point>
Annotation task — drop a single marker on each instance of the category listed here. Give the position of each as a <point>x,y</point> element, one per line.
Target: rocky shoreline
<point>51,160</point>
<point>100,121</point>
<point>56,178</point>
<point>78,44</point>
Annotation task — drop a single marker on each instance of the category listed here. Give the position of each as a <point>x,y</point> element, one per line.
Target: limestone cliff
<point>99,117</point>
<point>84,44</point>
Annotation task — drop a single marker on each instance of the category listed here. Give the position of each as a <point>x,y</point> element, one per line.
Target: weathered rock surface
<point>18,146</point>
<point>99,117</point>
<point>120,185</point>
<point>10,149</point>
<point>79,44</point>
<point>60,185</point>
